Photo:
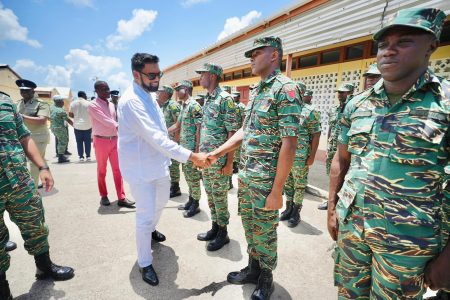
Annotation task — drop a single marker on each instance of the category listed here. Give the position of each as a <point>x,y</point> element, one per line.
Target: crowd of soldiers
<point>388,158</point>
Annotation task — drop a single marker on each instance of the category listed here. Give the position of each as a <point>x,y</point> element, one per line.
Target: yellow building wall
<point>8,83</point>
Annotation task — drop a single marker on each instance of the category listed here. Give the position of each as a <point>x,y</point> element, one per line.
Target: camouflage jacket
<point>190,116</point>
<point>398,157</point>
<point>309,125</point>
<point>13,166</point>
<point>58,118</point>
<point>219,118</point>
<point>272,113</point>
<point>171,110</point>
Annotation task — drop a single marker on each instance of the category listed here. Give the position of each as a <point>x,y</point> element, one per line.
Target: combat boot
<point>5,292</point>
<point>265,287</point>
<point>193,210</point>
<point>235,167</point>
<point>62,159</point>
<point>175,190</point>
<point>295,215</point>
<point>46,268</point>
<point>286,214</point>
<point>230,184</point>
<point>187,204</point>
<point>249,274</point>
<point>210,234</point>
<point>221,239</point>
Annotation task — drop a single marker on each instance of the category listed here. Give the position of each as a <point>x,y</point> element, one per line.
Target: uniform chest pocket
<point>212,113</point>
<point>359,134</point>
<point>418,138</point>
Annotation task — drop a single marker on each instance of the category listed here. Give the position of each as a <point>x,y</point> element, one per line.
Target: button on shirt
<point>144,147</point>
<point>81,120</point>
<point>103,118</point>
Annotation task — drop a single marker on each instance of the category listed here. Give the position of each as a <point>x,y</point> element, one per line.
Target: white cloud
<point>58,76</point>
<point>235,24</point>
<point>189,3</point>
<point>82,62</point>
<point>12,30</point>
<point>82,3</point>
<point>129,30</point>
<point>119,81</point>
<point>28,65</point>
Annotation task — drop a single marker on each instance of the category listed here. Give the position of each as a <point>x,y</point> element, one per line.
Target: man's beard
<point>148,87</point>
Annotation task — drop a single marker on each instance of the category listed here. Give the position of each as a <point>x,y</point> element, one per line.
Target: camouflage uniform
<point>171,111</point>
<point>189,118</point>
<point>39,132</point>
<point>391,208</point>
<point>298,178</point>
<point>219,118</point>
<point>58,118</point>
<point>334,115</point>
<point>18,194</point>
<point>241,116</point>
<point>272,113</point>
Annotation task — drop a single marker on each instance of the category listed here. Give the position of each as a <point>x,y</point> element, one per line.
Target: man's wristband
<point>44,167</point>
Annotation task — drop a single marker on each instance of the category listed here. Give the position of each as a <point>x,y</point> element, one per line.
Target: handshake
<point>203,160</point>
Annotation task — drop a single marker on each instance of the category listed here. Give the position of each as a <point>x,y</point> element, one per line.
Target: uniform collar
<point>269,78</point>
<point>214,93</point>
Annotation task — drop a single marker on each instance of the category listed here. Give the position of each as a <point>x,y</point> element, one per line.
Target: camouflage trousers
<point>63,139</point>
<point>24,205</point>
<point>216,187</point>
<point>174,170</point>
<point>296,183</point>
<point>237,155</point>
<point>260,225</point>
<point>192,176</point>
<point>373,263</point>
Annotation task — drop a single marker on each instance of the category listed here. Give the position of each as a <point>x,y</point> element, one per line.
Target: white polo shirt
<point>81,120</point>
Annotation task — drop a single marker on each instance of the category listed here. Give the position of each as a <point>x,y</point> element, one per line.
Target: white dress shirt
<point>144,147</point>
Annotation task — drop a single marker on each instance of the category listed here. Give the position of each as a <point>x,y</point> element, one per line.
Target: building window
<point>294,64</point>
<point>445,35</point>
<point>374,48</point>
<point>354,52</point>
<point>237,75</point>
<point>308,61</point>
<point>227,77</point>
<point>330,56</point>
<point>283,66</point>
<point>247,73</point>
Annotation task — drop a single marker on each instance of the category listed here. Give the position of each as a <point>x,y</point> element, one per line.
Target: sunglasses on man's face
<point>152,76</point>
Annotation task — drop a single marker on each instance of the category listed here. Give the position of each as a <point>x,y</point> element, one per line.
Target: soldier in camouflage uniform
<point>308,142</point>
<point>18,196</point>
<point>388,203</point>
<point>241,114</point>
<point>171,110</point>
<point>269,141</point>
<point>58,118</point>
<point>219,123</point>
<point>35,114</point>
<point>371,76</point>
<point>188,124</point>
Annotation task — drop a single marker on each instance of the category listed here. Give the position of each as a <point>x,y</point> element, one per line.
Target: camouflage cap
<point>372,70</point>
<point>346,87</point>
<point>308,93</point>
<point>211,68</point>
<point>302,86</point>
<point>428,19</point>
<point>166,88</point>
<point>185,83</point>
<point>269,41</point>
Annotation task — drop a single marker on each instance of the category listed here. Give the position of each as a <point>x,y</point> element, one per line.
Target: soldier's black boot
<point>5,292</point>
<point>46,268</point>
<point>265,287</point>
<point>62,159</point>
<point>187,204</point>
<point>221,239</point>
<point>286,214</point>
<point>295,215</point>
<point>231,183</point>
<point>249,274</point>
<point>210,234</point>
<point>193,210</point>
<point>235,167</point>
<point>175,190</point>
<point>10,246</point>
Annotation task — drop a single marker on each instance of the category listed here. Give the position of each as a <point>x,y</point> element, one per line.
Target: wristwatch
<point>44,167</point>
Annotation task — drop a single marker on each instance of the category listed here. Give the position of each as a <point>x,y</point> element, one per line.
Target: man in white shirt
<point>145,150</point>
<point>82,125</point>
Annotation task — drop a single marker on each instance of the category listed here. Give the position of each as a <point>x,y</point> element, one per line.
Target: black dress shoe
<point>105,201</point>
<point>149,275</point>
<point>193,210</point>
<point>10,246</point>
<point>126,203</point>
<point>47,269</point>
<point>323,206</point>
<point>158,236</point>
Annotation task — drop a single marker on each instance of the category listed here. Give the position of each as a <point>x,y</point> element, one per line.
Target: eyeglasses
<point>152,76</point>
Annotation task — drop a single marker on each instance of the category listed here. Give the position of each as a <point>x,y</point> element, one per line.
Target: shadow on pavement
<point>232,251</point>
<point>46,194</point>
<point>42,290</point>
<point>166,266</point>
<point>305,228</point>
<point>278,293</point>
<point>179,199</point>
<point>114,209</point>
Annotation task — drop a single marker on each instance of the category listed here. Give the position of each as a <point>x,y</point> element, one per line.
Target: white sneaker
<point>81,159</point>
<point>88,159</point>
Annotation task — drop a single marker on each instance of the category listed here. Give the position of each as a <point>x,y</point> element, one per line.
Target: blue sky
<point>70,42</point>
